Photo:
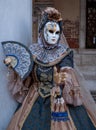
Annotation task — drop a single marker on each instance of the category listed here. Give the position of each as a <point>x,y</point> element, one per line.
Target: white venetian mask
<point>51,32</point>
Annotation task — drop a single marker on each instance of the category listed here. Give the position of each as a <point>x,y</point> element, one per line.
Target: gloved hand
<point>60,77</point>
<point>8,61</point>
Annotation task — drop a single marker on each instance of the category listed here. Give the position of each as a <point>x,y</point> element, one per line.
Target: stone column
<point>15,24</point>
<point>82,37</point>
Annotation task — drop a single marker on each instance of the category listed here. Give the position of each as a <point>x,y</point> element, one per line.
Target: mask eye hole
<point>51,31</point>
<point>58,32</point>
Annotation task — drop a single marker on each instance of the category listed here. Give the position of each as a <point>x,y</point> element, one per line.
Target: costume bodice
<point>44,76</point>
<point>45,60</point>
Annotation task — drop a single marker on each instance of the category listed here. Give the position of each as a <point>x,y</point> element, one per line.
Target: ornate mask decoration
<point>51,32</point>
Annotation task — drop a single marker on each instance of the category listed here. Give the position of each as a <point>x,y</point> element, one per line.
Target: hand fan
<point>21,56</point>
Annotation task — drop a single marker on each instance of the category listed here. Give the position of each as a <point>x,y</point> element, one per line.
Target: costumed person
<point>51,97</point>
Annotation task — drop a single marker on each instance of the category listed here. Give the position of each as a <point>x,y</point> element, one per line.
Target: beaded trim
<point>44,69</point>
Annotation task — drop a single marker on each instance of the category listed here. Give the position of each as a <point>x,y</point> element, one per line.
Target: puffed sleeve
<point>71,88</point>
<point>17,87</point>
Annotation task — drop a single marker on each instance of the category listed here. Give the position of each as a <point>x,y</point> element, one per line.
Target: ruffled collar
<point>47,55</point>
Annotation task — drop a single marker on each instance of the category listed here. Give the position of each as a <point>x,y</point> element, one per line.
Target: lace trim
<point>45,56</point>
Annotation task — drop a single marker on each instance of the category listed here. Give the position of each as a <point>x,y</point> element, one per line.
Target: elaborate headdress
<point>50,14</point>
